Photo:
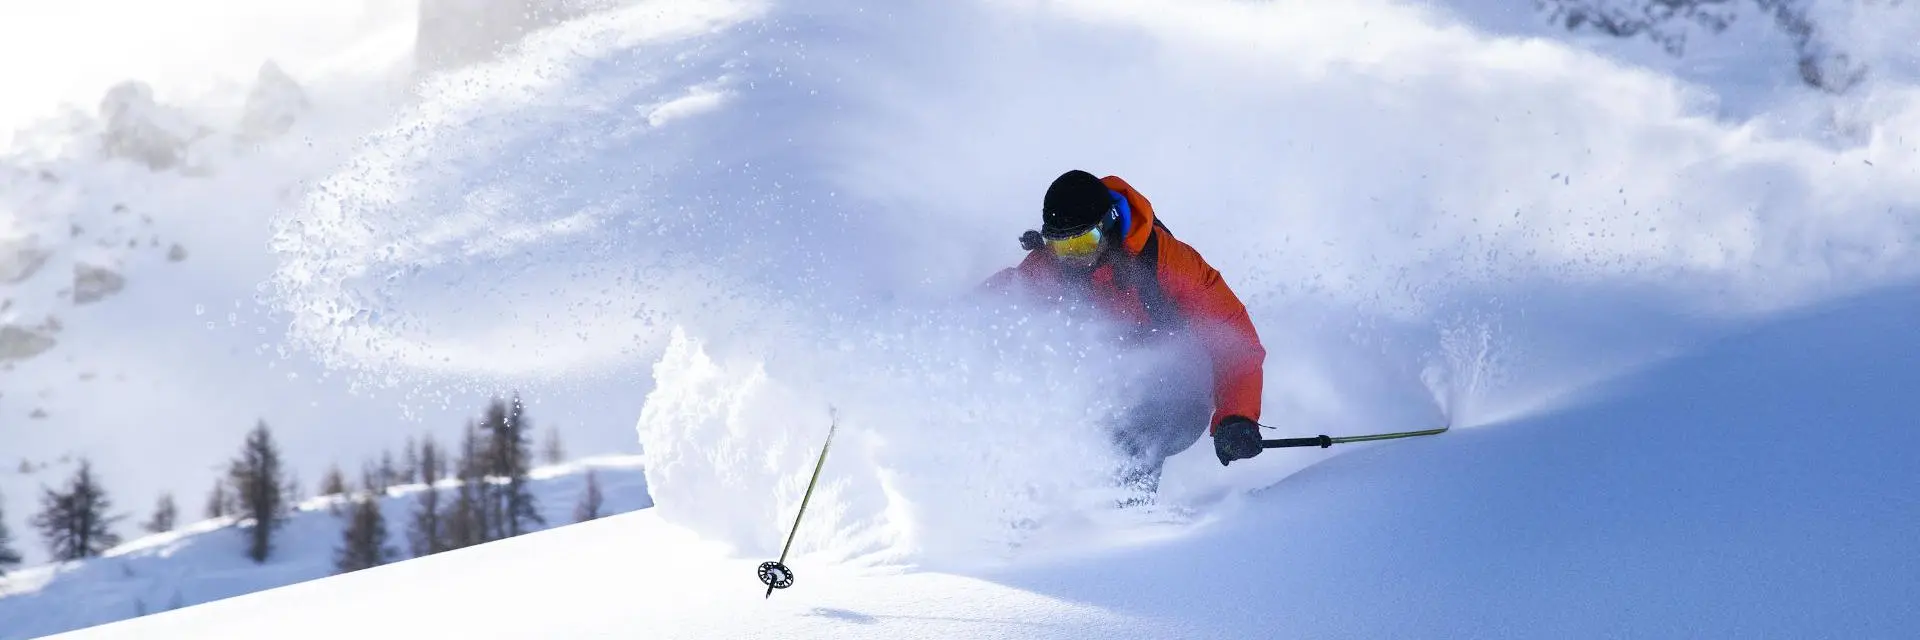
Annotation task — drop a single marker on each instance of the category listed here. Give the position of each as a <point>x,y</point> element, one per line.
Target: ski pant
<point>1170,416</point>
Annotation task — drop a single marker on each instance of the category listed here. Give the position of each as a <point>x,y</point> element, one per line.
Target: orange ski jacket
<point>1183,293</point>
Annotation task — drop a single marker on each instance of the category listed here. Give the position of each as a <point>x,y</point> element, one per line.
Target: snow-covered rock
<point>456,33</point>
<point>91,283</point>
<point>1822,52</point>
<point>20,258</point>
<point>274,104</point>
<point>20,343</point>
<point>139,129</point>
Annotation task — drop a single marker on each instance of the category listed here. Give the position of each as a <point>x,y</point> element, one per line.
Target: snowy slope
<point>673,149</point>
<point>205,561</point>
<point>782,209</point>
<point>779,208</point>
<point>175,362</point>
<point>178,357</point>
<point>1754,487</point>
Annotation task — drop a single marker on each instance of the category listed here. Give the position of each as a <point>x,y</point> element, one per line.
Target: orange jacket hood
<point>1140,218</point>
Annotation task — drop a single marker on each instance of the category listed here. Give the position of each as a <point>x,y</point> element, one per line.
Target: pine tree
<point>427,533</point>
<point>589,506</point>
<point>8,556</point>
<point>363,543</point>
<point>513,509</point>
<point>219,504</point>
<point>259,485</point>
<point>460,521</point>
<point>370,480</point>
<point>75,522</point>
<point>294,494</point>
<point>551,449</point>
<point>466,517</point>
<point>493,508</point>
<point>389,474</point>
<point>164,514</point>
<point>410,462</point>
<point>334,485</point>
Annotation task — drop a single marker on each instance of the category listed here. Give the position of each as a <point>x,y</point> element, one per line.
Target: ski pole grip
<point>1282,443</point>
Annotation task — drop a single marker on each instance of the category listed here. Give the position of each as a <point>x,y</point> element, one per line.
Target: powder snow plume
<point>767,213</point>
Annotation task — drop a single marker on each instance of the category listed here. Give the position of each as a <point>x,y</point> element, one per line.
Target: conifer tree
<point>75,522</point>
<point>466,517</point>
<point>8,556</point>
<point>371,482</point>
<point>551,449</point>
<point>294,493</point>
<point>410,462</point>
<point>334,485</point>
<point>259,487</point>
<point>219,503</point>
<point>363,542</point>
<point>389,473</point>
<point>590,500</point>
<point>513,509</point>
<point>427,534</point>
<point>164,514</point>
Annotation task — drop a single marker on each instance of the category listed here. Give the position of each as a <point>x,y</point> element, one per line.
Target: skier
<point>1100,242</point>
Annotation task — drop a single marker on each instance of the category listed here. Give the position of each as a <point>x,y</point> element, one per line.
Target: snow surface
<point>780,208</point>
<point>206,561</point>
<point>1758,487</point>
<point>159,381</point>
<point>1429,223</point>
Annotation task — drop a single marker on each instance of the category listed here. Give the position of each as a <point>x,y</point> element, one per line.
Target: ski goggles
<point>1080,247</point>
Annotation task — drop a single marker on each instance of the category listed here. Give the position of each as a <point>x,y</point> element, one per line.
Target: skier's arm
<point>1221,322</point>
<point>1003,280</point>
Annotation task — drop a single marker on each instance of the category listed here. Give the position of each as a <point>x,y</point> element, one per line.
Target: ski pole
<point>775,574</point>
<point>1327,441</point>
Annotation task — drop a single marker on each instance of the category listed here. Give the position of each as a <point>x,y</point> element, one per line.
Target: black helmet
<point>1075,202</point>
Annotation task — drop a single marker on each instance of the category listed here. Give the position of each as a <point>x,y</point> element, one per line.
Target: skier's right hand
<point>1236,438</point>
<point>1032,241</point>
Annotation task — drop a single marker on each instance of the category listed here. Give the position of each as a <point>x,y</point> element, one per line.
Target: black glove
<point>1032,240</point>
<point>1236,438</point>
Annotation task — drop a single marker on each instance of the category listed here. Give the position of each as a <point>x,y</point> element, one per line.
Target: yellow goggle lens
<point>1080,246</point>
